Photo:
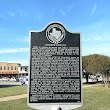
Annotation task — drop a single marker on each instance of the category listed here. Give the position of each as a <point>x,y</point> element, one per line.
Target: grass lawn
<point>12,90</point>
<point>95,98</point>
<point>20,104</point>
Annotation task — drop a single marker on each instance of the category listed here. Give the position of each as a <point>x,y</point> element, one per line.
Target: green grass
<point>12,90</point>
<point>95,98</point>
<point>20,104</point>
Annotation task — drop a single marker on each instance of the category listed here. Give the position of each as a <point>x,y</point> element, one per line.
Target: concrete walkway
<point>91,85</point>
<point>12,97</point>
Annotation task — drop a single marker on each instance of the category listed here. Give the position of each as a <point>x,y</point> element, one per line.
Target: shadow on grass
<point>89,83</point>
<point>5,86</point>
<point>96,82</point>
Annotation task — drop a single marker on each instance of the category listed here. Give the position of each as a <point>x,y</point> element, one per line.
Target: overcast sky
<point>17,17</point>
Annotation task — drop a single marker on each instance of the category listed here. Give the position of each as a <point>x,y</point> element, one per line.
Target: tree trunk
<point>87,78</point>
<point>106,80</point>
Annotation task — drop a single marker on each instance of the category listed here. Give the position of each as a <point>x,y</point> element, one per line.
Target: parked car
<point>92,76</point>
<point>5,79</point>
<point>20,79</point>
<point>12,79</point>
<point>0,79</point>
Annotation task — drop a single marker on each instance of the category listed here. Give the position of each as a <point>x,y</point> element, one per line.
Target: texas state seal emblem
<point>55,33</point>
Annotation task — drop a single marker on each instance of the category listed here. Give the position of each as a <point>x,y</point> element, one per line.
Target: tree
<point>88,65</point>
<point>104,69</point>
<point>85,62</point>
<point>97,63</point>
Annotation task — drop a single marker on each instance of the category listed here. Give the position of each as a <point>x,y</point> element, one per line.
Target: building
<point>8,70</point>
<point>23,70</point>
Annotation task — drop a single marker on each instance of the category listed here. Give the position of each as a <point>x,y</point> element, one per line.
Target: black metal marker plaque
<point>55,66</point>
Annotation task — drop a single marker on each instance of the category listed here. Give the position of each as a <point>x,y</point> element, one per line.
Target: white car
<point>12,79</point>
<point>92,76</point>
<point>19,79</point>
<point>0,79</point>
<point>5,79</point>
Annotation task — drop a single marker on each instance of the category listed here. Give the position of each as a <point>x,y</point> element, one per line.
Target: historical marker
<point>55,79</point>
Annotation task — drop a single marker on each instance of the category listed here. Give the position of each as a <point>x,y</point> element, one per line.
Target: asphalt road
<point>8,83</point>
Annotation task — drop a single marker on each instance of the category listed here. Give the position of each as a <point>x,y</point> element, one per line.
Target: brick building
<point>8,69</point>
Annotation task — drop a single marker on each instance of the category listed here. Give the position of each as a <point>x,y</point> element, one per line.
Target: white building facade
<point>23,70</point>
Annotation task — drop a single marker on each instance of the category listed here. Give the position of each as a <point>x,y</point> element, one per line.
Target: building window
<point>4,67</point>
<point>15,67</point>
<point>21,69</point>
<point>25,69</point>
<point>11,67</point>
<point>0,67</point>
<point>8,68</point>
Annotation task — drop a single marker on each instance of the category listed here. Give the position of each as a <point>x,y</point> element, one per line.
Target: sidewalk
<point>91,85</point>
<point>12,97</point>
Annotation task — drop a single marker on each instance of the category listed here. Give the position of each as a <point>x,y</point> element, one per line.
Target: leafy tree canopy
<point>96,63</point>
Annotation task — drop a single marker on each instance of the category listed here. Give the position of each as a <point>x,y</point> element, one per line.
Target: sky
<point>17,17</point>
